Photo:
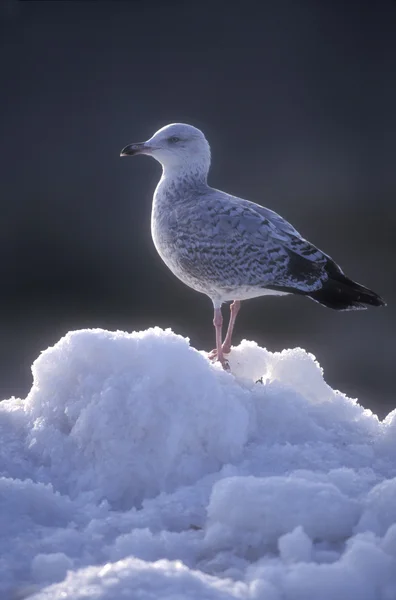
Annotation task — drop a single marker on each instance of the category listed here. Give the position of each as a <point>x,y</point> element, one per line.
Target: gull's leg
<point>218,323</point>
<point>226,346</point>
<point>234,310</point>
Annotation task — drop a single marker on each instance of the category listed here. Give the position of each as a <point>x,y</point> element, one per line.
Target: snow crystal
<point>253,512</point>
<point>50,567</point>
<point>136,468</point>
<point>295,546</point>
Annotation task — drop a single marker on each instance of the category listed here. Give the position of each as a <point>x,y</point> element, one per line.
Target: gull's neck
<point>177,179</point>
<point>196,171</point>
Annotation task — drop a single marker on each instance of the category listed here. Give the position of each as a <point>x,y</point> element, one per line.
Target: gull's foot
<point>213,353</point>
<point>225,364</point>
<point>222,359</point>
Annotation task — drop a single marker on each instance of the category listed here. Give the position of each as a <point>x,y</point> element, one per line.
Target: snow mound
<point>136,468</point>
<point>144,405</point>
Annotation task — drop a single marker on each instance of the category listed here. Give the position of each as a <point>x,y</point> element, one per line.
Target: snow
<point>137,469</point>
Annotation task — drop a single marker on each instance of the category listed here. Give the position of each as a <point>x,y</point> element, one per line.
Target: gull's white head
<point>176,147</point>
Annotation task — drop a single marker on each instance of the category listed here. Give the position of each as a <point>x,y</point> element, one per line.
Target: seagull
<point>229,248</point>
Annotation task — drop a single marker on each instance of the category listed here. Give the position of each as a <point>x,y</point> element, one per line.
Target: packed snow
<point>137,469</point>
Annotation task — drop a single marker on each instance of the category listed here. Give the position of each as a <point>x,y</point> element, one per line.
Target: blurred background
<point>298,102</point>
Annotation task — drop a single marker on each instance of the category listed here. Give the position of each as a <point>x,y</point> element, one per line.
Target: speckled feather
<point>227,247</point>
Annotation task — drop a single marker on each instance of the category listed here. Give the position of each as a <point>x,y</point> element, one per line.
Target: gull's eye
<point>173,139</point>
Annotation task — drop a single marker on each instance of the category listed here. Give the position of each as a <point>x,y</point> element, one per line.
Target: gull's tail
<point>341,293</point>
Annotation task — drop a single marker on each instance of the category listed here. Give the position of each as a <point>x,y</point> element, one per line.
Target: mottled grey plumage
<point>227,247</point>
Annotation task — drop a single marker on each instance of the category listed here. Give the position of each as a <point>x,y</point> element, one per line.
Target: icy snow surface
<point>137,469</point>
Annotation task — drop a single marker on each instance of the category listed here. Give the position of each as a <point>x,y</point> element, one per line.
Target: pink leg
<point>234,310</point>
<point>218,323</point>
<point>226,347</point>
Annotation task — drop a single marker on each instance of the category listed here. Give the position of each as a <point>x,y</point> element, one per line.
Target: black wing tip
<point>337,291</point>
<point>381,302</point>
<point>344,294</point>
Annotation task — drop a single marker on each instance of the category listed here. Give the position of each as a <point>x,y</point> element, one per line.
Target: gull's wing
<point>285,232</point>
<point>235,238</point>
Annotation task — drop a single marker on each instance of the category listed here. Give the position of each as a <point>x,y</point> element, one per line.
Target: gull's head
<point>175,146</point>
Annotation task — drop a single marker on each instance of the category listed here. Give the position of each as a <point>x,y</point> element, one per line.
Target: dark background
<point>298,101</point>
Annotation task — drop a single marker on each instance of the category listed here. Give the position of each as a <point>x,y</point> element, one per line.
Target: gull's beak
<point>132,149</point>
